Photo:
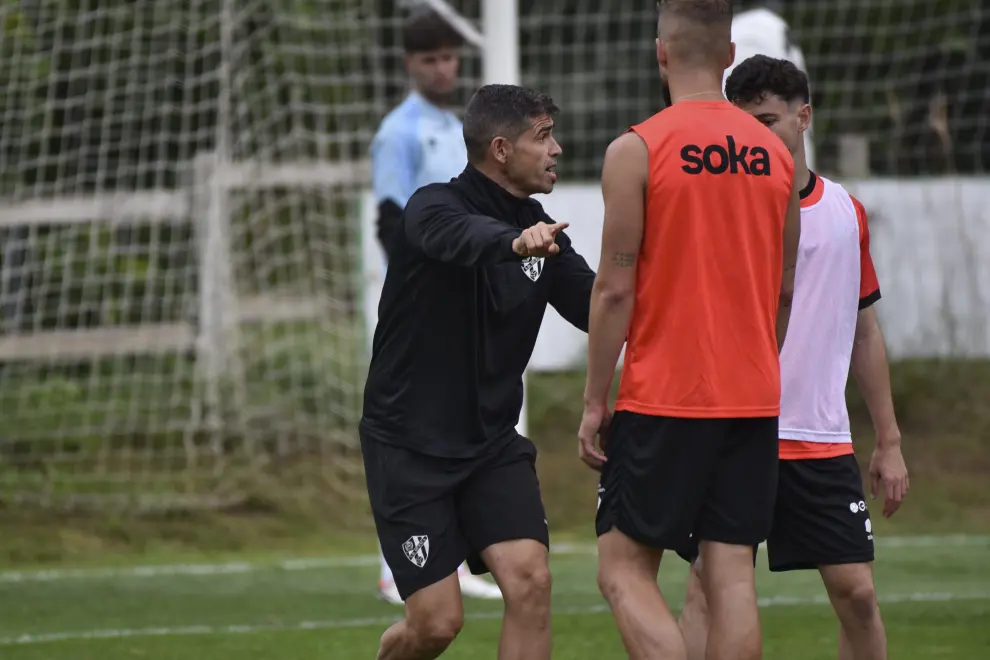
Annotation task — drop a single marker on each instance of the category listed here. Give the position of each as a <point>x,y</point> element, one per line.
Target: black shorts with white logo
<point>669,480</point>
<point>821,517</point>
<point>433,513</point>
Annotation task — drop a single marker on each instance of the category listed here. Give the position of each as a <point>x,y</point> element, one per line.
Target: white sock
<point>386,575</point>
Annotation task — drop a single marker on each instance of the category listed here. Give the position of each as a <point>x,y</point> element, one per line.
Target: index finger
<point>558,227</point>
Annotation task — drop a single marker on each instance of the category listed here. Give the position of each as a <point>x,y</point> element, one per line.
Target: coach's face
<point>788,120</point>
<point>531,162</point>
<point>434,73</point>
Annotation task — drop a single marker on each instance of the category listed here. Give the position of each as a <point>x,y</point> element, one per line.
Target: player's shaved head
<point>695,33</point>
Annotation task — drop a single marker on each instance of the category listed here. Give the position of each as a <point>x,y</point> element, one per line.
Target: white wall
<point>930,244</point>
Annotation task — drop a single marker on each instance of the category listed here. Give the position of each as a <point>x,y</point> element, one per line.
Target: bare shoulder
<point>627,155</point>
<point>628,144</point>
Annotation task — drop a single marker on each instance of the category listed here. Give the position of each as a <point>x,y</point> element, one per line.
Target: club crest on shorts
<point>532,267</point>
<point>417,550</point>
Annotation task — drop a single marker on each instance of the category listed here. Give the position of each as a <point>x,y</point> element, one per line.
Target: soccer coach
<point>448,476</point>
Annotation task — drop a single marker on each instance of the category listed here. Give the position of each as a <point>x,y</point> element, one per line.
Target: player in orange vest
<point>699,247</point>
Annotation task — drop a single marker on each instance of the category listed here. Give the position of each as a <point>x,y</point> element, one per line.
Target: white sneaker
<point>388,592</point>
<point>474,586</point>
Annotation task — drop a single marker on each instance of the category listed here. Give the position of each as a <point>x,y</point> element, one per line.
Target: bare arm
<point>872,376</point>
<point>792,237</point>
<point>869,369</point>
<point>624,175</point>
<point>623,187</point>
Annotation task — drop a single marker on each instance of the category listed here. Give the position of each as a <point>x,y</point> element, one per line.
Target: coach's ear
<point>732,54</point>
<point>501,149</point>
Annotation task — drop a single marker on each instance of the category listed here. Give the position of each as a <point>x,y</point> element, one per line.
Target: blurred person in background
<point>821,520</point>
<point>760,29</point>
<point>421,142</point>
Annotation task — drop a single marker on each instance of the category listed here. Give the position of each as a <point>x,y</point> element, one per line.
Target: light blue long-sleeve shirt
<point>416,144</point>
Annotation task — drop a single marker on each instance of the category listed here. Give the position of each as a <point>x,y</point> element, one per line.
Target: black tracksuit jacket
<point>459,316</point>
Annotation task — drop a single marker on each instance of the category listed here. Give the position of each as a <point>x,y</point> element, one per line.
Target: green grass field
<point>935,593</point>
<point>935,589</point>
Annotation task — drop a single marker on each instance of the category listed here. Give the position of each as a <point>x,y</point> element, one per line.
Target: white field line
<point>318,563</point>
<point>377,622</point>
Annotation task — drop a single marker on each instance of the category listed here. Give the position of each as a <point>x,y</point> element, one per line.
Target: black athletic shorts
<point>668,480</point>
<point>433,513</point>
<point>821,517</point>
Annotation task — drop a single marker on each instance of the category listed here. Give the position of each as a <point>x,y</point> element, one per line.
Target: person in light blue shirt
<point>421,142</point>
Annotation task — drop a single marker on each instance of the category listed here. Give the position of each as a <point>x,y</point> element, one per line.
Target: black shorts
<point>433,513</point>
<point>670,480</point>
<point>821,517</point>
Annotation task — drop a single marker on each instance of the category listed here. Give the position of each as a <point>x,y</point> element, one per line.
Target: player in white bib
<point>821,517</point>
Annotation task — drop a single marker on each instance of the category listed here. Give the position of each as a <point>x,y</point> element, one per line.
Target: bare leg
<point>627,577</point>
<point>693,621</point>
<point>854,599</point>
<point>730,590</point>
<point>434,616</point>
<point>845,647</point>
<point>522,571</point>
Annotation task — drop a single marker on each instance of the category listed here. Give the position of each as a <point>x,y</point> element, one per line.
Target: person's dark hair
<point>501,111</point>
<point>425,30</point>
<point>759,77</point>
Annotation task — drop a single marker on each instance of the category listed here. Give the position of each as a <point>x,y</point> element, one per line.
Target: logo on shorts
<point>869,529</point>
<point>417,550</point>
<point>857,507</point>
<point>532,267</point>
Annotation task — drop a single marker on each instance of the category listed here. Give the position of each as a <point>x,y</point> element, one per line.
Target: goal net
<point>183,185</point>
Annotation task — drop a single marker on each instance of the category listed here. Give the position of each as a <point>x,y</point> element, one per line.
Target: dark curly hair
<point>758,77</point>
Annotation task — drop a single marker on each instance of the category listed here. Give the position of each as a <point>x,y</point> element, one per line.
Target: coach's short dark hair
<point>758,77</point>
<point>501,111</point>
<point>425,30</point>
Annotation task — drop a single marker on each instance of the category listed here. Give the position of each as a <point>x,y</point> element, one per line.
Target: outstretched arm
<point>437,224</point>
<point>624,177</point>
<point>570,291</point>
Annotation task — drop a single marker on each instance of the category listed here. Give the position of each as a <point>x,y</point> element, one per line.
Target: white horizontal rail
<point>152,339</point>
<point>175,206</point>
